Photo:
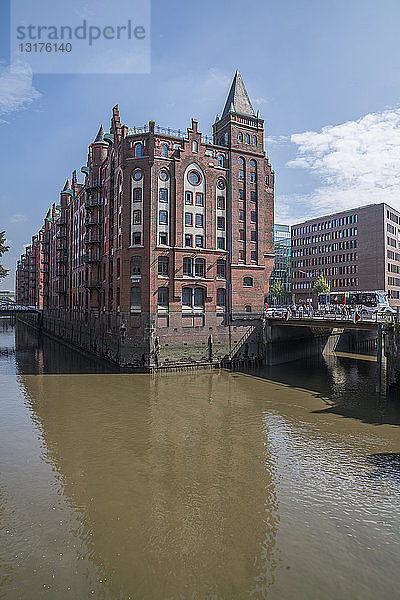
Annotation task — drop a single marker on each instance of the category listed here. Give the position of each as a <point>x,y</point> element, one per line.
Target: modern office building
<point>355,250</point>
<point>282,263</point>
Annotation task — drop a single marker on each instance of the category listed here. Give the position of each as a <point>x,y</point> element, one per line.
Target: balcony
<point>89,221</point>
<point>92,202</point>
<point>92,239</point>
<point>93,258</point>
<point>92,284</point>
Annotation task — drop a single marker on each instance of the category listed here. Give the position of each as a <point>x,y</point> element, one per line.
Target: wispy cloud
<point>357,162</point>
<point>17,219</point>
<point>16,88</point>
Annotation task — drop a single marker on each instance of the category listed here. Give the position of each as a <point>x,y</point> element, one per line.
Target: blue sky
<point>324,74</point>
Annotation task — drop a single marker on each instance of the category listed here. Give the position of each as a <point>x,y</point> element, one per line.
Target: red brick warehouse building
<point>173,227</point>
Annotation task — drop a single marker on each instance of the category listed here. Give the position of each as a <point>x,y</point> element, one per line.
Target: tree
<point>277,291</point>
<point>321,286</point>
<point>3,248</point>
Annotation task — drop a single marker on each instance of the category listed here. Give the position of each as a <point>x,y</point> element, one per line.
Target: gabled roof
<point>238,100</point>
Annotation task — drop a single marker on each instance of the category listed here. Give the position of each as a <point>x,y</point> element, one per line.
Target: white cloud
<point>358,163</point>
<point>17,218</point>
<point>16,89</point>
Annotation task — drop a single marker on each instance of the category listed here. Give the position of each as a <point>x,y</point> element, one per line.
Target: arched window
<point>240,136</point>
<point>247,308</point>
<point>200,267</point>
<point>163,262</point>
<point>221,297</point>
<point>136,298</point>
<point>241,161</point>
<point>253,164</point>
<point>136,266</point>
<point>162,297</point>
<point>188,267</point>
<point>267,180</point>
<point>138,150</point>
<point>247,281</point>
<point>220,160</point>
<point>254,140</point>
<point>195,146</point>
<point>164,150</point>
<point>247,138</point>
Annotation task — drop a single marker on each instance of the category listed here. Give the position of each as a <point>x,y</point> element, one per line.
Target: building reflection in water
<point>171,477</point>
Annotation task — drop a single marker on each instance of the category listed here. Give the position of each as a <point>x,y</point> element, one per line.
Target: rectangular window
<point>163,239</point>
<point>241,255</point>
<point>253,236</point>
<point>162,297</point>
<point>189,198</point>
<point>136,239</point>
<point>187,297</point>
<point>188,240</point>
<point>253,177</point>
<point>241,235</point>
<point>137,217</point>
<point>221,243</point>
<point>163,262</point>
<point>221,203</point>
<point>253,196</point>
<point>199,241</point>
<point>221,222</point>
<point>199,267</point>
<point>221,269</point>
<point>199,199</point>
<point>163,195</point>
<point>136,266</point>
<point>253,216</point>
<point>267,180</point>
<point>241,175</point>
<point>241,194</point>
<point>137,194</point>
<point>221,297</point>
<point>199,220</point>
<point>253,255</point>
<point>241,214</point>
<point>136,298</point>
<point>188,219</point>
<point>163,217</point>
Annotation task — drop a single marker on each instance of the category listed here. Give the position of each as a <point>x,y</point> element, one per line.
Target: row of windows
<point>191,267</point>
<point>253,215</point>
<point>394,294</point>
<point>348,220</point>
<point>393,268</point>
<point>246,138</point>
<point>199,220</point>
<point>199,198</point>
<point>393,255</point>
<point>391,242</point>
<point>335,235</point>
<point>325,260</point>
<point>393,281</point>
<point>242,235</point>
<point>392,216</point>
<point>253,195</point>
<point>335,283</point>
<point>348,245</point>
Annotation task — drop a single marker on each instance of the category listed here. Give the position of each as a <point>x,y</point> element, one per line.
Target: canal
<point>282,483</point>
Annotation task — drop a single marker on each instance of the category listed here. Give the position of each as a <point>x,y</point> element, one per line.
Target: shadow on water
<point>38,354</point>
<point>346,386</point>
<point>387,465</point>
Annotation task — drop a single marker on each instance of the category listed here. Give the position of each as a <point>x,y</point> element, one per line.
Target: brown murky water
<point>281,484</point>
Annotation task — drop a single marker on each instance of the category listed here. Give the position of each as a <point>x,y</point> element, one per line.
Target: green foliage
<point>321,286</point>
<point>3,248</point>
<point>278,291</point>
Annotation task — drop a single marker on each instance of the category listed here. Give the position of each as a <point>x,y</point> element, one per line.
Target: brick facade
<point>174,228</point>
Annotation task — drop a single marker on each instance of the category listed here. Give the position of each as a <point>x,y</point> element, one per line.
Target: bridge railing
<point>349,316</point>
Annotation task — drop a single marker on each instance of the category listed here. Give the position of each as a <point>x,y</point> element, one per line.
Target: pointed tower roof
<point>238,100</point>
<point>100,135</point>
<point>67,186</point>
